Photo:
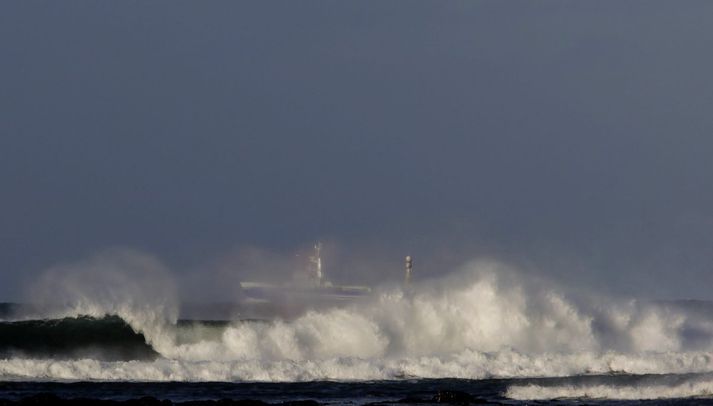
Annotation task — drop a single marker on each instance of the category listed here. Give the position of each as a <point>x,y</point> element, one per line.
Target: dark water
<point>333,393</point>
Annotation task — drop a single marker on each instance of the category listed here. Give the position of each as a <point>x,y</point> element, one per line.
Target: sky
<point>571,138</point>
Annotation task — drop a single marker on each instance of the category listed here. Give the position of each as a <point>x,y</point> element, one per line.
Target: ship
<point>311,289</point>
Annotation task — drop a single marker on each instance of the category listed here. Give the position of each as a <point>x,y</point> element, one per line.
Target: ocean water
<point>486,331</point>
<point>602,390</point>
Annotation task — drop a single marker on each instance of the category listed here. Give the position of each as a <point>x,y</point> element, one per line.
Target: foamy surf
<point>693,387</point>
<point>485,321</point>
<point>466,365</point>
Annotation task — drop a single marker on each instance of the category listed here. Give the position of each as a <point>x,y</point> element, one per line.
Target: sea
<point>481,336</point>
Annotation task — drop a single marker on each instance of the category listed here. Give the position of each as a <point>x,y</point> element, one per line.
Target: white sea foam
<point>483,321</point>
<point>700,388</point>
<point>465,365</point>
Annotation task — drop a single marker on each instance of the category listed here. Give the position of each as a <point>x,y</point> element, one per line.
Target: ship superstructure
<point>314,290</point>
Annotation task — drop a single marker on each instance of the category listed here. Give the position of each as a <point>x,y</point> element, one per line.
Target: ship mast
<point>409,269</point>
<point>316,261</point>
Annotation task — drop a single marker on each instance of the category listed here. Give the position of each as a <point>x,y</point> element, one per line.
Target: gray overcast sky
<point>574,135</point>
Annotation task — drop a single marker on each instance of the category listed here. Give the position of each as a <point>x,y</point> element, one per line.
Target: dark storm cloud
<point>574,135</point>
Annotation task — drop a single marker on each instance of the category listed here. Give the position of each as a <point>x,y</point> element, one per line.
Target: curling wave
<point>108,338</point>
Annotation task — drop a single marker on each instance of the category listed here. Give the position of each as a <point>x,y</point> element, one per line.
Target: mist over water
<point>484,319</point>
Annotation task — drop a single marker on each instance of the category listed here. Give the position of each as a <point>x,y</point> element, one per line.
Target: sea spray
<point>122,282</point>
<point>484,320</point>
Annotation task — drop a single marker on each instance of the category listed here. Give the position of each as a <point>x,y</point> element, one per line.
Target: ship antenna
<point>409,268</point>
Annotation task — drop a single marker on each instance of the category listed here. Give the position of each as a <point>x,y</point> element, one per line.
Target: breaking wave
<point>484,321</point>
